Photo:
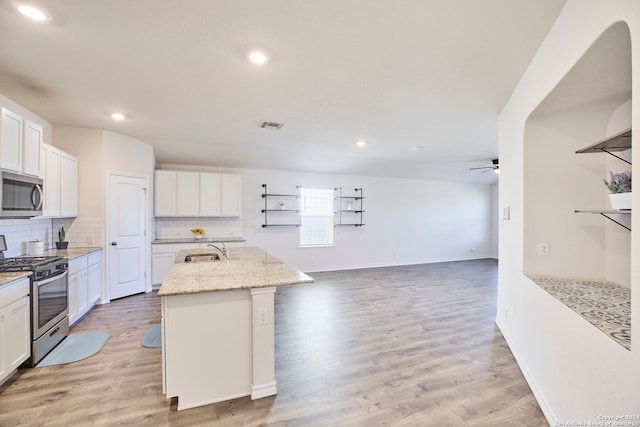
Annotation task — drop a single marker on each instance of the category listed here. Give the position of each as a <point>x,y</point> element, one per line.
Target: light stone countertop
<point>10,276</point>
<point>72,253</point>
<point>201,240</point>
<point>246,268</point>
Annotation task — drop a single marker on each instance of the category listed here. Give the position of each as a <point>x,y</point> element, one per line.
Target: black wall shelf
<point>266,211</point>
<point>618,142</point>
<point>607,214</point>
<point>349,205</point>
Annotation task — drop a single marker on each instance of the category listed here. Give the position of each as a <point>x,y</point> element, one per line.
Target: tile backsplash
<point>18,232</point>
<point>180,228</point>
<point>80,232</point>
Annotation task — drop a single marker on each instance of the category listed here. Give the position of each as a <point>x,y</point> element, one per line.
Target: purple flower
<point>620,182</point>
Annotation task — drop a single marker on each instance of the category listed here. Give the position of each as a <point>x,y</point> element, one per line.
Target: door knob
<point>114,243</point>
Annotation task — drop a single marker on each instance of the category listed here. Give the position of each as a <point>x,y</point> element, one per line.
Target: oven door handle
<point>51,279</point>
<point>37,204</point>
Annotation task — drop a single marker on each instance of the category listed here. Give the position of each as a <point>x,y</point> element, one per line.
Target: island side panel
<point>207,347</point>
<point>263,340</point>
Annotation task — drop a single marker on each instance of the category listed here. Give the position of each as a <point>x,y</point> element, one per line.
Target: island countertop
<point>246,268</point>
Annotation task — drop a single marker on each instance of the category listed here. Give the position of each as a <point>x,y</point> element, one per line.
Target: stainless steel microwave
<point>22,196</point>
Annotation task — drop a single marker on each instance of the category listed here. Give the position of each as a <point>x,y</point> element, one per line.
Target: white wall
<point>87,146</point>
<point>577,373</point>
<point>406,221</point>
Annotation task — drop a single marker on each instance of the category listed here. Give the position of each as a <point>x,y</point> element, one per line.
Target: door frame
<point>147,227</point>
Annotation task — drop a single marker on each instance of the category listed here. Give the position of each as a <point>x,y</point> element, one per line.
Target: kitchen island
<point>217,324</point>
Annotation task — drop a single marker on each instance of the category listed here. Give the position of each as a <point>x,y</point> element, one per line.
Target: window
<point>317,218</point>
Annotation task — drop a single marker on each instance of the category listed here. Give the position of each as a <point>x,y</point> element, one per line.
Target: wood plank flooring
<point>398,346</point>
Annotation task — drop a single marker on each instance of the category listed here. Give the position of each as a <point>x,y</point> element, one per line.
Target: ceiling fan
<point>495,167</point>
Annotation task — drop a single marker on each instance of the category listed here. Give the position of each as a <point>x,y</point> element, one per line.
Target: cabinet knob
<point>114,243</point>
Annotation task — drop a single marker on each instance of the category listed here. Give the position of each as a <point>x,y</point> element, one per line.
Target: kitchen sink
<point>202,257</point>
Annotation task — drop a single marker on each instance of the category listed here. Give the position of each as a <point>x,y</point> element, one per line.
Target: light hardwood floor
<point>399,346</point>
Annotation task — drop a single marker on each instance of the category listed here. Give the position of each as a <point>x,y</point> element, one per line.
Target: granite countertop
<point>72,253</point>
<point>246,268</point>
<point>10,276</point>
<point>201,240</point>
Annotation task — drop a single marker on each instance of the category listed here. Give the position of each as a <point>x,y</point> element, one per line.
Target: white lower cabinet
<point>15,336</point>
<point>94,277</point>
<point>85,284</point>
<point>162,258</point>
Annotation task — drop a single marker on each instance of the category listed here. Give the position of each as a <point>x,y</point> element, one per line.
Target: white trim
<point>263,390</point>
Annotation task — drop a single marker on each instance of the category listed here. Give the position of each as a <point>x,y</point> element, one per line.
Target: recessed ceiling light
<point>416,148</point>
<point>117,116</point>
<point>360,143</point>
<point>33,12</point>
<point>258,57</point>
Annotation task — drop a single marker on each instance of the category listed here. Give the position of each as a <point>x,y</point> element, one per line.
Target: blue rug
<point>75,347</point>
<point>152,337</point>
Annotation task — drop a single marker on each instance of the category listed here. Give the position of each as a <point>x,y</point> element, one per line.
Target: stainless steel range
<point>49,294</point>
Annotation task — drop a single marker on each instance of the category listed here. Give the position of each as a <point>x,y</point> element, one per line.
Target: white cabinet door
<point>231,195</point>
<point>11,141</point>
<point>15,324</point>
<point>72,290</point>
<point>165,192</point>
<point>94,278</point>
<point>51,175</point>
<point>77,288</point>
<point>68,185</point>
<point>210,186</point>
<point>31,148</point>
<point>163,256</point>
<point>17,329</point>
<point>187,193</point>
<point>161,264</point>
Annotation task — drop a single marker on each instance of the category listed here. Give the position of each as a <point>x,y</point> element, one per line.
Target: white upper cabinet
<point>210,203</point>
<point>165,190</point>
<point>19,144</point>
<point>59,170</point>
<point>50,173</point>
<point>31,148</point>
<point>231,195</point>
<point>68,185</point>
<point>197,194</point>
<point>188,194</point>
<point>11,143</point>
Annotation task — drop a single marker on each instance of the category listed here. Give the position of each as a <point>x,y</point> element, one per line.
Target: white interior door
<point>126,235</point>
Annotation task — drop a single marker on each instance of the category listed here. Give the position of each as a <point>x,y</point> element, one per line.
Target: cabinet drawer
<point>14,291</point>
<point>95,258</point>
<point>77,264</point>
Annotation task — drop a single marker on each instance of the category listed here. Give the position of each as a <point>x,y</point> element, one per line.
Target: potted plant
<point>61,243</point>
<point>620,187</point>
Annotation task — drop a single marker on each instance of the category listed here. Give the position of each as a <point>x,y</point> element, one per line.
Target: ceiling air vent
<point>271,125</point>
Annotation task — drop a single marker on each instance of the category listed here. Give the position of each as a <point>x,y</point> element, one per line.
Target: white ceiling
<point>396,74</point>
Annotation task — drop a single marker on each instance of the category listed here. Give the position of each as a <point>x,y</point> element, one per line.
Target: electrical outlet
<point>543,249</point>
<point>90,240</point>
<point>263,316</point>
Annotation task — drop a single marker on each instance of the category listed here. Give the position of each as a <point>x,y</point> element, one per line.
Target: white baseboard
<point>263,390</point>
<point>542,401</point>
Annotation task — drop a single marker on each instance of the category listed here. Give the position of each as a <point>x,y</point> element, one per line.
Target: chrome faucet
<point>225,252</point>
